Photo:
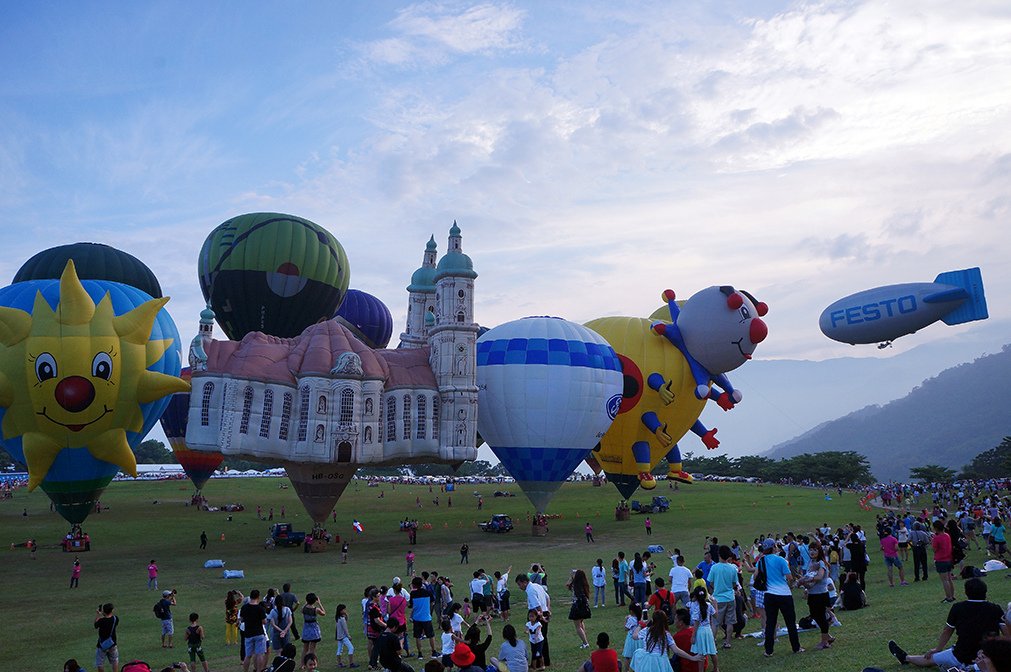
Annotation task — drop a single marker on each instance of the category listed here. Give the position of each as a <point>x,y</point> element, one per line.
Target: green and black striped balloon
<point>273,273</point>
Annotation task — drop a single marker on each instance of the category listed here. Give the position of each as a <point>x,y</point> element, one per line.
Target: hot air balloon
<point>92,261</point>
<point>548,390</point>
<point>367,317</point>
<point>272,273</point>
<point>671,368</point>
<point>86,369</point>
<point>198,465</point>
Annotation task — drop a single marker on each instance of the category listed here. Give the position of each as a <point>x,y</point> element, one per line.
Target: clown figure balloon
<point>548,389</point>
<point>75,375</point>
<point>671,368</point>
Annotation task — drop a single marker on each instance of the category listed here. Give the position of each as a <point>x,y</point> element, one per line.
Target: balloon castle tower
<point>324,403</point>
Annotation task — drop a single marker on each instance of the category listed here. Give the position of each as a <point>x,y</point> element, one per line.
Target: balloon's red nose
<point>758,331</point>
<point>75,393</point>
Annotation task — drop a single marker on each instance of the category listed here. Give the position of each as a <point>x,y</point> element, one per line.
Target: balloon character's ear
<point>735,301</point>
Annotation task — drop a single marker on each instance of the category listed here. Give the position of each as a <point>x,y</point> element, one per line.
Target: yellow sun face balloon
<point>75,377</point>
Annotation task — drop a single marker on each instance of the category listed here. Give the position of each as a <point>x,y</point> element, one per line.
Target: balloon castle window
<point>247,408</point>
<point>303,413</point>
<point>435,417</point>
<point>407,416</point>
<point>347,406</point>
<point>282,433</point>
<point>205,405</point>
<point>268,410</point>
<point>422,411</point>
<point>459,317</point>
<point>391,419</point>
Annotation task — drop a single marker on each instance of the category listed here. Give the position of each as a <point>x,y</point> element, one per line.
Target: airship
<point>882,314</point>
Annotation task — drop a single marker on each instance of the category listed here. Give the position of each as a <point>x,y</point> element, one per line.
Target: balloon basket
<point>622,514</point>
<point>539,530</point>
<point>318,546</point>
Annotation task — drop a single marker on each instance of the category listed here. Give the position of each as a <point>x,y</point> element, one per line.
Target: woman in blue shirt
<point>778,597</point>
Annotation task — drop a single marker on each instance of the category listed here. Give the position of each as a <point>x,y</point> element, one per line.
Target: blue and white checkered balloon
<point>544,390</point>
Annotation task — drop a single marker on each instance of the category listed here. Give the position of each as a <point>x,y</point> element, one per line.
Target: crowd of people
<point>680,615</point>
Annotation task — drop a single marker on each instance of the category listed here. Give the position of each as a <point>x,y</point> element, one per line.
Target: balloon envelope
<point>545,384</point>
<point>319,486</point>
<point>92,261</point>
<point>642,352</point>
<point>272,273</point>
<point>367,317</point>
<point>76,479</point>
<point>198,465</point>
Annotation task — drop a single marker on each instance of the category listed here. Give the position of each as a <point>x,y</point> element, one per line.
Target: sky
<point>593,153</point>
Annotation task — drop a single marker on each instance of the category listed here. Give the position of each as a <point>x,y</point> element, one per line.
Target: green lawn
<point>150,520</point>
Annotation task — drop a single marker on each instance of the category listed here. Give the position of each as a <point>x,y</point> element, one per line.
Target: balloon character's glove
<point>710,440</point>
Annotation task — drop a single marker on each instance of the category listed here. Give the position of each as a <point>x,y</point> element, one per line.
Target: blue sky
<point>594,153</point>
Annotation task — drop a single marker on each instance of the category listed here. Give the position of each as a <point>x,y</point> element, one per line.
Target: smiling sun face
<point>75,377</point>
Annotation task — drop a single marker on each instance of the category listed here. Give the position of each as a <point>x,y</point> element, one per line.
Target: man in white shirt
<point>680,578</point>
<point>537,598</point>
<point>477,592</point>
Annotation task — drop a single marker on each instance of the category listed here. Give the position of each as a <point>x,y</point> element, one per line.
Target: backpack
<point>667,605</point>
<point>159,611</point>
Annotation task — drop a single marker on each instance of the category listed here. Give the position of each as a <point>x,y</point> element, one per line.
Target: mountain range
<point>901,411</point>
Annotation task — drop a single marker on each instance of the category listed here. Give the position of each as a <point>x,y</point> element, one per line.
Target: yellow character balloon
<point>75,377</point>
<point>671,368</point>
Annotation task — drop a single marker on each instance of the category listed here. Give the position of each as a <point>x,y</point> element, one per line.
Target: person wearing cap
<point>167,601</point>
<point>464,658</point>
<point>777,578</point>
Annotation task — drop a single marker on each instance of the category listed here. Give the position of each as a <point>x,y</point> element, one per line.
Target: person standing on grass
<point>971,621</point>
<point>421,615</point>
<point>167,601</point>
<point>623,578</point>
<point>311,632</point>
<point>203,540</point>
<point>772,573</point>
<point>580,609</point>
<point>290,600</point>
<point>680,578</point>
<point>75,574</point>
<point>998,534</point>
<point>538,600</point>
<point>152,576</point>
<point>252,616</point>
<point>599,574</point>
<point>195,641</point>
<point>588,530</point>
<point>465,554</point>
<point>890,549</point>
<point>919,539</point>
<point>649,527</point>
<point>723,577</point>
<point>816,580</point>
<point>941,544</point>
<point>107,648</point>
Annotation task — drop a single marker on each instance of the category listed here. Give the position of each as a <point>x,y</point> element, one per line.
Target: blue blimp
<point>882,314</point>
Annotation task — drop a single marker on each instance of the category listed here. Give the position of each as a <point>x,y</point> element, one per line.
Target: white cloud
<point>431,33</point>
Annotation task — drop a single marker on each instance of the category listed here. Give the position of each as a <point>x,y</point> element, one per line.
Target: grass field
<point>150,520</point>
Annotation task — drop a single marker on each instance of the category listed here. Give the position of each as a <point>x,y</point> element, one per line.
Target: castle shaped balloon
<point>324,403</point>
